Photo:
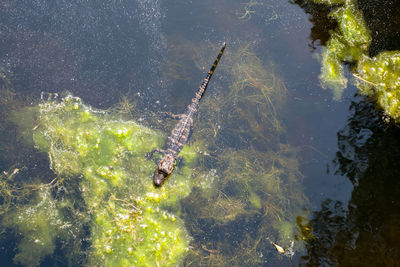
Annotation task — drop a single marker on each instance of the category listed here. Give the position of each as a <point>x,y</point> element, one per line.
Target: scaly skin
<point>181,131</point>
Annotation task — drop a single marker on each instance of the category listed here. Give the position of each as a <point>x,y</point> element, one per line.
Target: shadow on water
<point>321,24</point>
<point>365,232</point>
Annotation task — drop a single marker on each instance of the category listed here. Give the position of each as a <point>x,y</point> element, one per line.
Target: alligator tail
<point>204,84</point>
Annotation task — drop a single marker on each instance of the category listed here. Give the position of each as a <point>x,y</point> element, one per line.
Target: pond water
<point>280,164</point>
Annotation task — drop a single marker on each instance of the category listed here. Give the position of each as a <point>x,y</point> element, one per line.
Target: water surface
<point>155,53</point>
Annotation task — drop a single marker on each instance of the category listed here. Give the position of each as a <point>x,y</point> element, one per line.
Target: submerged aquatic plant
<point>378,77</point>
<point>251,193</point>
<point>252,7</point>
<point>247,111</point>
<point>130,222</point>
<point>39,223</point>
<point>104,191</point>
<point>254,202</point>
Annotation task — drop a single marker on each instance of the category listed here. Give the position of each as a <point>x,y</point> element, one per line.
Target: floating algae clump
<point>131,222</point>
<point>378,77</point>
<point>350,40</point>
<point>38,223</point>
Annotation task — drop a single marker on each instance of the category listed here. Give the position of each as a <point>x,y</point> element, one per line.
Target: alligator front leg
<point>161,151</point>
<point>172,115</point>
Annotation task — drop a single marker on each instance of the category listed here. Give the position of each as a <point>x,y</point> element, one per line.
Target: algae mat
<point>130,222</point>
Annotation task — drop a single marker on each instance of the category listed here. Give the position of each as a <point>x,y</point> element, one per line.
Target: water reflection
<point>366,232</point>
<point>321,23</point>
<point>383,20</point>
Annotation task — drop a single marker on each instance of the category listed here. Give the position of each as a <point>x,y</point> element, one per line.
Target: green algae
<point>377,77</point>
<point>380,77</point>
<point>352,26</point>
<point>38,223</point>
<point>253,190</point>
<point>268,183</point>
<point>130,222</point>
<point>332,70</point>
<point>347,43</point>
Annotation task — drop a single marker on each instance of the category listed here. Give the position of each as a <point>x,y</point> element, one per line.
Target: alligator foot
<point>150,155</point>
<point>172,115</point>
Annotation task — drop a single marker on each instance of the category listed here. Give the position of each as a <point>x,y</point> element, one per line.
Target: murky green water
<point>276,172</point>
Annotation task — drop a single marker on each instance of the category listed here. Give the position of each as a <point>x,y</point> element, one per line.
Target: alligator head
<point>164,169</point>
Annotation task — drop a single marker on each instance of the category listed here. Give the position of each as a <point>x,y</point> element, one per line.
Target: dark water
<point>101,51</point>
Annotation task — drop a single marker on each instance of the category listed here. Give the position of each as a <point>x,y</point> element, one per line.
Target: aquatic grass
<point>249,108</point>
<point>259,8</point>
<point>255,92</point>
<point>253,84</point>
<point>256,178</point>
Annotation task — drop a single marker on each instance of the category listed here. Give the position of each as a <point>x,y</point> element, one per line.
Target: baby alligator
<point>180,133</point>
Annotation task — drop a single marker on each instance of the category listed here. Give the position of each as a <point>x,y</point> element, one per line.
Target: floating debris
<point>279,248</point>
